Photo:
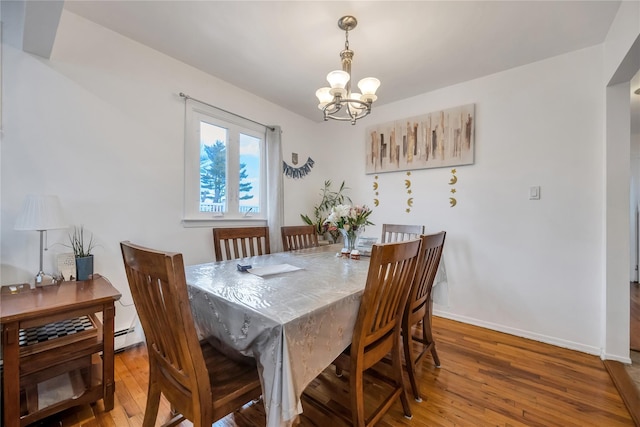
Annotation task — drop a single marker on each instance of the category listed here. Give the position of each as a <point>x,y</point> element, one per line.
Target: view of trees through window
<point>215,155</point>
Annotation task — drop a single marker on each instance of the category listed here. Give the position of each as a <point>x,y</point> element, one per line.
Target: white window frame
<point>192,217</point>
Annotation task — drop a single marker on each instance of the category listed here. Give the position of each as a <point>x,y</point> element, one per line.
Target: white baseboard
<point>127,337</point>
<point>625,360</point>
<point>521,333</point>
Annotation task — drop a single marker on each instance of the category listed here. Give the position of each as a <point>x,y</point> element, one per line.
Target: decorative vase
<point>350,238</point>
<point>84,267</point>
<point>333,235</point>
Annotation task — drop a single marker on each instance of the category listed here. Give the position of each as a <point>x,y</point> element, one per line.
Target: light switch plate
<point>534,193</point>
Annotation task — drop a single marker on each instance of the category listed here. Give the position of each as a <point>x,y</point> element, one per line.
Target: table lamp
<point>41,213</point>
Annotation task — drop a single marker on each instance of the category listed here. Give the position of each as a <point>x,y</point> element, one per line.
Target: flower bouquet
<point>350,221</point>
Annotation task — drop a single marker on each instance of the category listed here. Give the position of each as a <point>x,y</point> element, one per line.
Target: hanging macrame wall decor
<point>297,172</point>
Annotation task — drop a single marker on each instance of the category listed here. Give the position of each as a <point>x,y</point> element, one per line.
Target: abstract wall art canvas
<point>438,139</point>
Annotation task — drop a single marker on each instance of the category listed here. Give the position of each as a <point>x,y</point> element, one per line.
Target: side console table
<point>57,344</point>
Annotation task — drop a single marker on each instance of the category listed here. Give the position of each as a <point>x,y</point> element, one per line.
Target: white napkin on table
<point>269,270</point>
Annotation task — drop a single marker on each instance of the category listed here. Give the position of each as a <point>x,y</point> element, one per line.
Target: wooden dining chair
<point>419,308</point>
<point>400,232</point>
<point>377,332</point>
<point>298,237</point>
<point>201,384</point>
<point>240,242</point>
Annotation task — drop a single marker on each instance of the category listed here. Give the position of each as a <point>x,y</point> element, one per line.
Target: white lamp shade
<point>338,79</point>
<point>368,86</point>
<point>324,96</point>
<point>40,212</point>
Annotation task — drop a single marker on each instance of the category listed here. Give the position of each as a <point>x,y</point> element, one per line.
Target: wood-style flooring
<point>487,379</point>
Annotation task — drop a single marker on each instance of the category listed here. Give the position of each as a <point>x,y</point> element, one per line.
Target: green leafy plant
<point>81,247</point>
<point>322,210</point>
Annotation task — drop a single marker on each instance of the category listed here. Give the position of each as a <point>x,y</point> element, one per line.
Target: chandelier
<point>338,102</point>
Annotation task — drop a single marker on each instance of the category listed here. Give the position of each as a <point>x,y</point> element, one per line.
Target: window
<point>224,167</point>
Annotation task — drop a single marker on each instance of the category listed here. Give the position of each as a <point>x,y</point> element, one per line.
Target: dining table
<point>294,312</point>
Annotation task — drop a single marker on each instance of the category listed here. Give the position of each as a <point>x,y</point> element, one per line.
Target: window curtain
<point>275,187</point>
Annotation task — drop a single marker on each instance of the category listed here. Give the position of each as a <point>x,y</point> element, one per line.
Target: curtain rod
<point>185,96</point>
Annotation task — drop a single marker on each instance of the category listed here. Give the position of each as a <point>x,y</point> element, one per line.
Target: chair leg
<point>428,335</point>
<point>356,379</point>
<point>434,354</point>
<point>405,404</point>
<point>399,379</point>
<point>409,357</point>
<point>153,401</point>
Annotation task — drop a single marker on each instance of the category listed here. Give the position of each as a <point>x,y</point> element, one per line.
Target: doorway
<point>631,396</point>
<point>634,309</point>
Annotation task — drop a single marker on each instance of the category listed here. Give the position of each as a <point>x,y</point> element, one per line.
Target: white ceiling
<point>282,50</point>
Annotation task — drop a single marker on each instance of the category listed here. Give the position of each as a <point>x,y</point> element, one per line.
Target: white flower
<point>346,227</point>
<point>332,218</point>
<point>342,210</point>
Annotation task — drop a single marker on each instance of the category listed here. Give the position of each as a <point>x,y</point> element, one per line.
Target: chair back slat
<point>240,242</point>
<point>400,232</point>
<point>296,237</point>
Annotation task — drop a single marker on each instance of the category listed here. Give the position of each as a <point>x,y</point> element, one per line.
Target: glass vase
<point>350,238</point>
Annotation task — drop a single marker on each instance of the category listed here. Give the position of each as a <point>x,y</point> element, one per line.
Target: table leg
<point>11,372</point>
<point>107,356</point>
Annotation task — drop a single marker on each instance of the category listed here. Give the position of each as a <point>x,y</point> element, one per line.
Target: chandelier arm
<point>351,101</point>
<point>340,102</point>
<point>346,119</point>
<point>331,110</point>
<point>334,106</point>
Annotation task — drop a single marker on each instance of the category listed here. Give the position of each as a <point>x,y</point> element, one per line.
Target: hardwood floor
<point>487,379</point>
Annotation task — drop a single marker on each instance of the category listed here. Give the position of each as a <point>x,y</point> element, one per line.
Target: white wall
<point>531,268</point>
<point>101,125</point>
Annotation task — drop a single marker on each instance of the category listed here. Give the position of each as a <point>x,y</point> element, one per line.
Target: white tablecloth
<point>295,323</point>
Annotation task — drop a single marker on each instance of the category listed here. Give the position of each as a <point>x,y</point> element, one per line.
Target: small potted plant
<point>82,251</point>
